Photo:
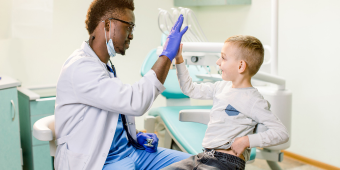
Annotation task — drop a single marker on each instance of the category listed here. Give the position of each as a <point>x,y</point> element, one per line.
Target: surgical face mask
<point>109,44</point>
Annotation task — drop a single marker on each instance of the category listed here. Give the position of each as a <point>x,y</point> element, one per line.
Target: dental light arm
<point>204,47</point>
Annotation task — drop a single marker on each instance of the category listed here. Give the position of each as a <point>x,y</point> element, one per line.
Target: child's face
<point>229,62</point>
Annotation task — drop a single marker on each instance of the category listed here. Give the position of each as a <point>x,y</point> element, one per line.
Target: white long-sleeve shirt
<point>235,113</point>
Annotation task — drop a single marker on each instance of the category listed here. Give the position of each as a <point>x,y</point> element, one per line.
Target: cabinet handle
<point>14,110</point>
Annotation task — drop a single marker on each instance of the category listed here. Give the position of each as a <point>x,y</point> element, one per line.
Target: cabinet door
<point>10,153</point>
<point>42,159</point>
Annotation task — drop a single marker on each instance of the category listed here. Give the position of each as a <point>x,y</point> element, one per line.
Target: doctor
<point>95,112</point>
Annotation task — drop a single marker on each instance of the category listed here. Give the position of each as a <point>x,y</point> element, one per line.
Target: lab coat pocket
<point>76,161</point>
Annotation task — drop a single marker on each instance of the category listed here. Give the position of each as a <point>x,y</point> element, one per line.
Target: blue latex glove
<point>142,140</point>
<point>174,39</point>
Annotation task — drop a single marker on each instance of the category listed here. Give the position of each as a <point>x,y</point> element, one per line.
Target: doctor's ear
<point>107,25</point>
<point>242,66</point>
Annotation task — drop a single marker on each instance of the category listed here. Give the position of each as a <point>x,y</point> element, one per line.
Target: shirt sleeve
<point>93,86</point>
<point>192,89</point>
<point>276,133</point>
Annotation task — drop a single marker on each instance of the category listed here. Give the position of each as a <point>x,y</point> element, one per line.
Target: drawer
<point>42,107</point>
<point>42,160</point>
<point>33,120</point>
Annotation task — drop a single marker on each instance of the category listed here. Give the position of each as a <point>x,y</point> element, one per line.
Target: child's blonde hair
<point>251,51</point>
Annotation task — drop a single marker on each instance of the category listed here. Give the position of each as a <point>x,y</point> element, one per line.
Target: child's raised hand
<point>179,57</point>
<point>240,144</point>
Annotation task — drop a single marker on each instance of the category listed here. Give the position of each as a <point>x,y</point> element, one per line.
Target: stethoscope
<point>114,69</point>
<point>131,140</point>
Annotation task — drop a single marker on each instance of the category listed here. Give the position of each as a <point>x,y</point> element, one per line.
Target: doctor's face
<point>228,62</point>
<point>122,31</point>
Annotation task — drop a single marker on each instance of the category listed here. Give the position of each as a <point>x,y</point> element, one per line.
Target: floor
<point>286,164</point>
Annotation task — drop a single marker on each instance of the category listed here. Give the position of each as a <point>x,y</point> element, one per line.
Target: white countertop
<point>8,82</point>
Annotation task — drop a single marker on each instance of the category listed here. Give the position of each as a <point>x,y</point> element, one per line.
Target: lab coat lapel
<point>87,49</point>
<point>130,119</point>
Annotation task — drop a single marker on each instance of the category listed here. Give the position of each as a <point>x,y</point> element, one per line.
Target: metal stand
<point>274,165</point>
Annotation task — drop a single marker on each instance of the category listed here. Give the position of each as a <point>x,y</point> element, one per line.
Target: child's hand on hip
<point>179,57</point>
<point>240,144</point>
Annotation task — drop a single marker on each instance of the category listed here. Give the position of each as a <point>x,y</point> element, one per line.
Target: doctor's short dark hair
<point>103,9</point>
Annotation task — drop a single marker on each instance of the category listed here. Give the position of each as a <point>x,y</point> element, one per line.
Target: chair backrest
<point>41,129</point>
<point>44,130</point>
<point>52,128</point>
<point>173,90</point>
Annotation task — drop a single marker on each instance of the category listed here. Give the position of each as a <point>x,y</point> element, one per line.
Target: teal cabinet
<point>33,106</point>
<point>10,147</point>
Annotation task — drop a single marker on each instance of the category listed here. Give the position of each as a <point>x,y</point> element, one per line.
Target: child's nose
<point>218,62</point>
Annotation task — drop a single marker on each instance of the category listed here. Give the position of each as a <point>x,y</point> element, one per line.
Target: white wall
<point>308,59</point>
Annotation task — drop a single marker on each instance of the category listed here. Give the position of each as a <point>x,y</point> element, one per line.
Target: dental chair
<point>43,130</point>
<point>183,125</point>
<point>182,134</point>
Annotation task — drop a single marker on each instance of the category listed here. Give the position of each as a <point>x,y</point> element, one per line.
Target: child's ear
<point>242,66</point>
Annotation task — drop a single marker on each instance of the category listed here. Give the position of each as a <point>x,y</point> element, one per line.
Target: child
<point>237,108</point>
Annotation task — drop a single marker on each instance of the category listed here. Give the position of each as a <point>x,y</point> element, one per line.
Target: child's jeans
<point>209,160</point>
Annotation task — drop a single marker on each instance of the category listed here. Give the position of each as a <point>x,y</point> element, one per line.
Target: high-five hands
<point>179,57</point>
<point>174,39</point>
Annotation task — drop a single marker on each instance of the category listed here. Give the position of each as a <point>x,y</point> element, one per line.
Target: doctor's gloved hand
<point>148,140</point>
<point>174,39</point>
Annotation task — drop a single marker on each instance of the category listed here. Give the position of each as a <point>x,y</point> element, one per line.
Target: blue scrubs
<point>124,156</point>
<point>119,148</point>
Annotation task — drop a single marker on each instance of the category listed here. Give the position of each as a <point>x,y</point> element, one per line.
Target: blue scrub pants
<point>142,160</point>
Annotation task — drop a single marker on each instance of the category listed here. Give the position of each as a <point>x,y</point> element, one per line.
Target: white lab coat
<point>89,100</point>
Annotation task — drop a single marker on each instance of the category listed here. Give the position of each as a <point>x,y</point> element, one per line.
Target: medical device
<point>149,144</point>
<point>166,20</point>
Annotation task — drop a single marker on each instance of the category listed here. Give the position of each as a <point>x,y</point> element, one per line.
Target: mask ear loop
<point>110,30</point>
<point>105,31</point>
<point>114,34</point>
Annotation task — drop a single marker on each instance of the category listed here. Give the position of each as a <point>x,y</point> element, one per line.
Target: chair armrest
<point>195,115</point>
<point>41,129</point>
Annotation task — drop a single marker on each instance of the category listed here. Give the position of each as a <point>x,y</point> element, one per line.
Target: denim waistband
<point>224,157</point>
